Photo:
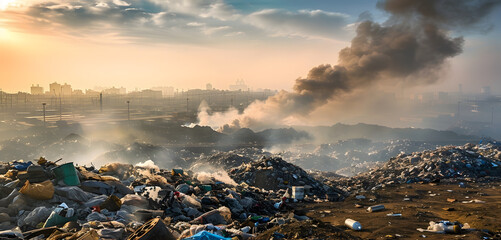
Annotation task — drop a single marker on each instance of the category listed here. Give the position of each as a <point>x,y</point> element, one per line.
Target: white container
<point>298,192</point>
<point>375,208</point>
<point>353,224</point>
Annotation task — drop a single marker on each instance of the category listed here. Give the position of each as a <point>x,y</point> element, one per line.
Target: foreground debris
<point>41,199</point>
<point>255,199</point>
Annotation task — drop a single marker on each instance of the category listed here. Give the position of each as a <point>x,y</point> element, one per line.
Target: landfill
<point>450,163</point>
<point>53,199</point>
<point>46,199</point>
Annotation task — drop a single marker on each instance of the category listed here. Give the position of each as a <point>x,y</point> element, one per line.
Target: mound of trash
<point>224,160</point>
<point>274,174</point>
<point>51,200</point>
<point>452,163</point>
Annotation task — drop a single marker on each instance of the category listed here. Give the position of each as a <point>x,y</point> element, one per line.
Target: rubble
<point>120,200</point>
<point>275,174</point>
<point>450,163</point>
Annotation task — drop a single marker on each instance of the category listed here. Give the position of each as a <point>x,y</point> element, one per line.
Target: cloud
<point>216,9</point>
<point>174,21</point>
<point>304,23</point>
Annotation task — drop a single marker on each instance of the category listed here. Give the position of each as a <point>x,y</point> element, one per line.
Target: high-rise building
<point>66,89</point>
<point>55,88</point>
<point>36,90</point>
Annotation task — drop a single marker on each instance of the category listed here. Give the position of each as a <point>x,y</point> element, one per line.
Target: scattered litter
<point>375,208</point>
<point>353,224</point>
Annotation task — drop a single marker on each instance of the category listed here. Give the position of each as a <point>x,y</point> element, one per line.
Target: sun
<point>3,33</point>
<point>5,3</point>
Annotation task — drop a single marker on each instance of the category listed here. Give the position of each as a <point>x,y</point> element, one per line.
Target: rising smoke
<point>409,49</point>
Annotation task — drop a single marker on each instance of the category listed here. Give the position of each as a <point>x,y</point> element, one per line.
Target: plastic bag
<point>39,191</point>
<point>221,215</point>
<point>38,215</point>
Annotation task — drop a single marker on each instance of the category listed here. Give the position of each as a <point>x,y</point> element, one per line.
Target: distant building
<point>55,89</point>
<point>166,91</point>
<point>90,92</point>
<point>239,85</point>
<point>36,90</point>
<point>66,89</point>
<point>114,91</point>
<point>208,87</point>
<point>148,93</point>
<point>77,92</point>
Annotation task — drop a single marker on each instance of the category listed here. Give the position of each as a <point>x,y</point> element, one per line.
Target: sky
<point>188,43</point>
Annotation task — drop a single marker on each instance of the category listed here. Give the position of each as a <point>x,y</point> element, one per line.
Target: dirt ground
<point>427,204</point>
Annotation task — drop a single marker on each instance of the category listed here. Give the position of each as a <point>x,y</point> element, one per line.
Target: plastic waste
<point>97,187</point>
<point>189,201</point>
<point>74,193</point>
<point>13,184</point>
<point>394,214</point>
<point>353,224</point>
<point>204,235</point>
<point>135,200</point>
<point>442,227</point>
<point>4,202</point>
<point>21,166</point>
<point>14,233</point>
<point>67,173</point>
<point>39,191</point>
<point>375,208</point>
<point>110,233</point>
<point>298,192</point>
<point>36,174</point>
<point>95,216</point>
<point>277,235</point>
<point>221,215</point>
<point>61,215</point>
<point>38,215</point>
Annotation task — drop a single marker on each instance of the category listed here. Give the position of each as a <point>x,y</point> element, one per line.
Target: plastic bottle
<point>452,229</point>
<point>375,208</point>
<point>353,224</point>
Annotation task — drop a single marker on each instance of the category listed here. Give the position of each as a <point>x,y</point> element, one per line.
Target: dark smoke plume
<point>409,48</point>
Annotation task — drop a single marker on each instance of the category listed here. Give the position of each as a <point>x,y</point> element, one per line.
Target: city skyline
<point>187,44</point>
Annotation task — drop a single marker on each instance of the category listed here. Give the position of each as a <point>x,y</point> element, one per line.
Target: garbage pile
<point>47,200</point>
<point>353,156</point>
<point>224,160</point>
<point>274,174</point>
<point>453,163</point>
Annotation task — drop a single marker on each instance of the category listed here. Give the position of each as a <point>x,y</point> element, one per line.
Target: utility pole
<point>60,108</point>
<point>43,105</point>
<point>101,101</point>
<point>128,110</point>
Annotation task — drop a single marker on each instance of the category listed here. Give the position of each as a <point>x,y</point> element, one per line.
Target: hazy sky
<point>188,43</point>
